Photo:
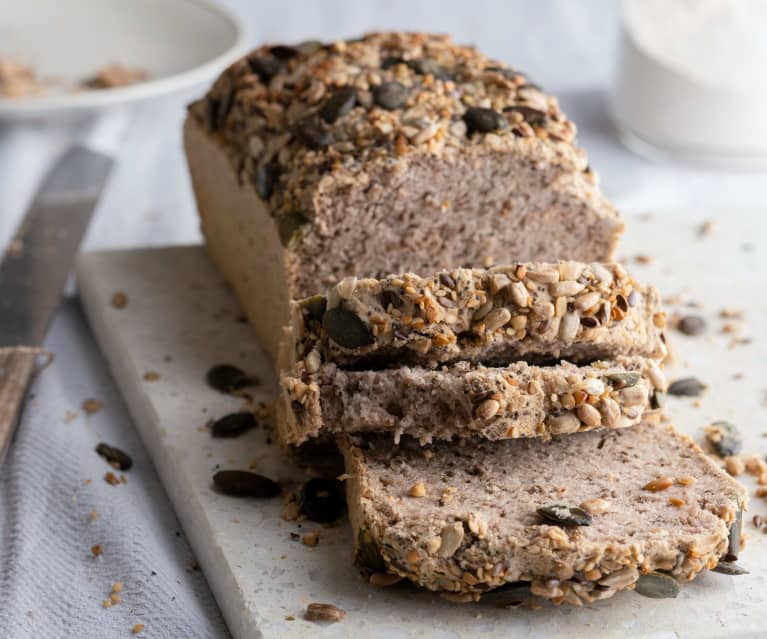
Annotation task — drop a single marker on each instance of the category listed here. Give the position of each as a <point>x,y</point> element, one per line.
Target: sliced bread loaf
<point>537,311</point>
<point>578,517</point>
<point>518,400</point>
<point>389,153</point>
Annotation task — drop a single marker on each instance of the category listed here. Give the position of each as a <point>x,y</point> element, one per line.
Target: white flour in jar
<point>692,75</point>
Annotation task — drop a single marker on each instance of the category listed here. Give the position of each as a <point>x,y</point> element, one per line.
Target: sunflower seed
<point>446,280</point>
<point>292,228</point>
<point>725,438</point>
<point>233,425</point>
<point>564,515</point>
<point>691,325</point>
<point>657,585</point>
<point>623,380</point>
<point>589,415</point>
<point>729,568</point>
<point>322,500</point>
<point>390,95</point>
<point>265,178</point>
<point>483,120</point>
<point>346,328</point>
<point>424,66</point>
<point>452,536</point>
<point>338,104</point>
<point>116,457</point>
<point>658,400</point>
<point>226,378</point>
<point>283,52</point>
<point>687,387</point>
<point>242,483</point>
<point>534,117</point>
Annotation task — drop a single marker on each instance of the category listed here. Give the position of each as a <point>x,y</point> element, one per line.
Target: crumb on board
<point>137,628</point>
<point>151,376</point>
<point>119,300</point>
<point>91,406</point>
<point>97,550</point>
<point>111,479</point>
<point>94,514</point>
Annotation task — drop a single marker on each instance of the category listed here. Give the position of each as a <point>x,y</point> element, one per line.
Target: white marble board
<point>180,319</point>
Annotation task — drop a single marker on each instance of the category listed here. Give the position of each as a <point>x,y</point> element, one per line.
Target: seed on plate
<point>116,457</point>
<point>346,328</point>
<point>657,585</point>
<point>564,515</point>
<point>233,425</point>
<point>687,387</point>
<point>483,120</point>
<point>338,104</point>
<point>323,612</point>
<point>322,500</point>
<point>390,95</point>
<point>724,438</point>
<point>242,483</point>
<point>691,325</point>
<point>226,378</point>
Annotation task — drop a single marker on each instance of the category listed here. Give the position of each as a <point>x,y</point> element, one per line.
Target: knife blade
<point>34,270</point>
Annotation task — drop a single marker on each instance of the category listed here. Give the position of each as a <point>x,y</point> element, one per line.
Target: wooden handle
<point>17,366</point>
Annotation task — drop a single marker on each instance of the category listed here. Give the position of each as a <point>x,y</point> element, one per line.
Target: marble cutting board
<point>180,319</point>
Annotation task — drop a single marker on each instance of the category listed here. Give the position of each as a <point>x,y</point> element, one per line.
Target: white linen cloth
<point>51,585</point>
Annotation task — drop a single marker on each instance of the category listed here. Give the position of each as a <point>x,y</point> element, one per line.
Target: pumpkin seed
<point>293,227</point>
<point>322,500</point>
<point>725,438</point>
<point>346,328</point>
<point>534,117</point>
<point>657,585</point>
<point>116,457</point>
<point>233,425</point>
<point>367,554</point>
<point>315,306</point>
<point>692,325</point>
<point>658,400</point>
<point>242,483</point>
<point>483,120</point>
<point>264,67</point>
<point>507,596</point>
<point>729,568</point>
<point>390,95</point>
<point>312,133</point>
<point>564,515</point>
<point>733,543</point>
<point>687,387</point>
<point>623,380</point>
<point>226,378</point>
<point>338,104</point>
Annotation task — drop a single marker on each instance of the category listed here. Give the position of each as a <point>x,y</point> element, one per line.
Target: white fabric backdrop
<point>50,585</point>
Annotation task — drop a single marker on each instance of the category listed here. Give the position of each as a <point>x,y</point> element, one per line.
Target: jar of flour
<point>692,80</point>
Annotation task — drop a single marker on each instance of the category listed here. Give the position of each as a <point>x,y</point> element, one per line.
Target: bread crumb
<point>97,550</point>
<point>151,376</point>
<point>311,539</point>
<point>94,514</point>
<point>70,416</point>
<point>115,598</point>
<point>417,490</point>
<point>119,300</point>
<point>117,586</point>
<point>92,406</point>
<point>111,479</point>
<point>734,465</point>
<point>106,603</point>
<point>138,628</point>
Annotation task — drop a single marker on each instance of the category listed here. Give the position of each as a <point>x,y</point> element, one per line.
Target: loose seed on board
<point>691,325</point>
<point>116,457</point>
<point>322,500</point>
<point>226,378</point>
<point>564,515</point>
<point>725,438</point>
<point>729,568</point>
<point>323,612</point>
<point>233,425</point>
<point>657,585</point>
<point>242,483</point>
<point>346,329</point>
<point>687,387</point>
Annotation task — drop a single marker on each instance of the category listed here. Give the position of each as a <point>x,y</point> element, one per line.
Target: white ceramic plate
<point>179,43</point>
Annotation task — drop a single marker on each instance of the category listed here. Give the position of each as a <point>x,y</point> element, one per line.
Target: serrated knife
<point>34,270</point>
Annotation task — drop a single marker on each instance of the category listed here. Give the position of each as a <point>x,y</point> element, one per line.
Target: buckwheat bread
<point>476,527</point>
<point>536,311</point>
<point>393,152</point>
<point>467,399</point>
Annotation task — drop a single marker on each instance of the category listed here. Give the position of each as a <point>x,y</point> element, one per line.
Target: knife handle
<point>17,366</point>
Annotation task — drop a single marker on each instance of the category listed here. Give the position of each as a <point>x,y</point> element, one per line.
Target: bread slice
<point>389,153</point>
<point>536,311</point>
<point>465,399</point>
<point>656,502</point>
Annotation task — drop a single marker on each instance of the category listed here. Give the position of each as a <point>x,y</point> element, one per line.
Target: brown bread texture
<point>462,518</point>
<point>519,400</point>
<point>394,152</point>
